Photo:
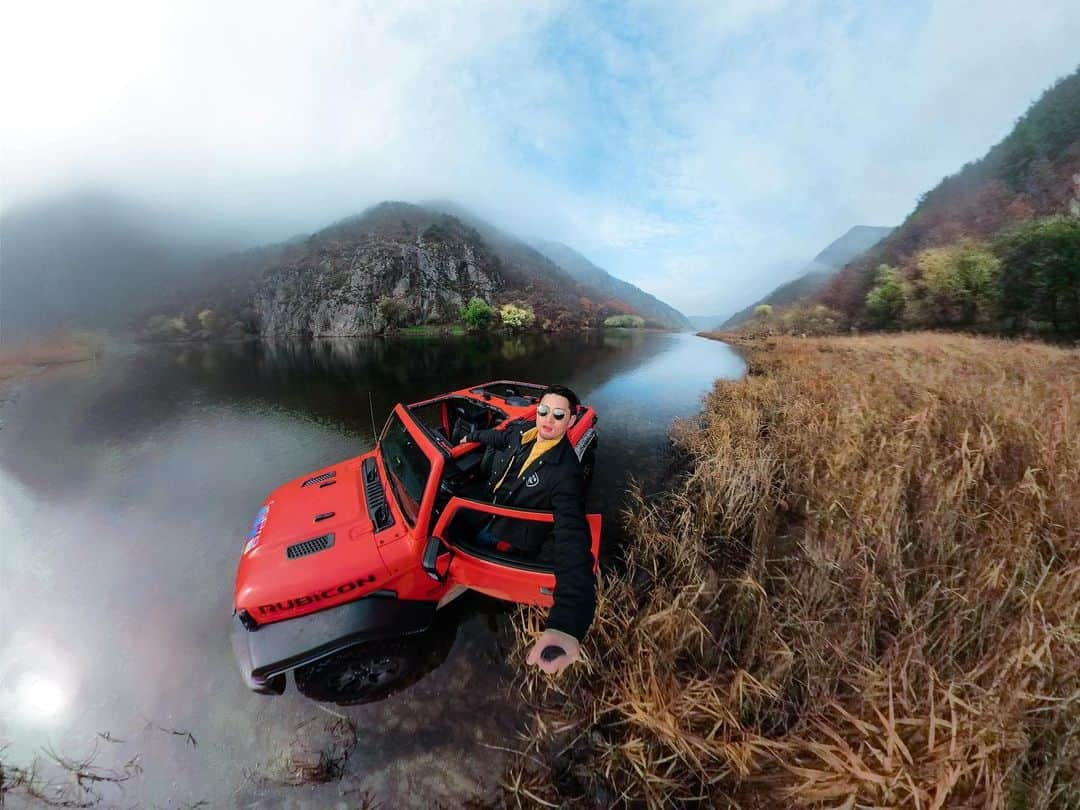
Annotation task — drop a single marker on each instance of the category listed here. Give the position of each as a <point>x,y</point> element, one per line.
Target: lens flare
<point>39,697</point>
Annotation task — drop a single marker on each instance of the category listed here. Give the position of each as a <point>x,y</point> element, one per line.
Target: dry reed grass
<point>864,593</point>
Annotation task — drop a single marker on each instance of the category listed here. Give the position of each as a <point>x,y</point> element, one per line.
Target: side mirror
<point>433,554</point>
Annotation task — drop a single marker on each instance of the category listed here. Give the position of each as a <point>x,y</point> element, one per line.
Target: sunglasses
<point>544,410</point>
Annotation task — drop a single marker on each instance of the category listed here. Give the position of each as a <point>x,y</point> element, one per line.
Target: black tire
<point>366,672</point>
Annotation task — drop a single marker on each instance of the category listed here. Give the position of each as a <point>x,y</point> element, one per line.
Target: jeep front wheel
<point>364,673</point>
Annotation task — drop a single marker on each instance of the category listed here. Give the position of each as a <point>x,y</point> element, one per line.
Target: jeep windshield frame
<point>409,467</point>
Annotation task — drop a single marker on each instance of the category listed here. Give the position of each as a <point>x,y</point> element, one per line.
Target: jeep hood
<point>311,547</point>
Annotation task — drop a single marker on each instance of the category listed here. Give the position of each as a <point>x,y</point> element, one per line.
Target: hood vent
<point>307,547</point>
<point>377,507</point>
<point>318,479</point>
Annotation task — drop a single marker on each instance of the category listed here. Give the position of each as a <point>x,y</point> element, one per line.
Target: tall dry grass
<point>864,593</point>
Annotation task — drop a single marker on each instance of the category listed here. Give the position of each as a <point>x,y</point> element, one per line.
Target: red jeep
<point>345,568</point>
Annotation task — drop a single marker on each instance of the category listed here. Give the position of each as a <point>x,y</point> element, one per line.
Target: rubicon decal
<point>313,598</point>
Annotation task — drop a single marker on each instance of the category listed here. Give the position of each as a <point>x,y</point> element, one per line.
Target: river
<point>127,487</point>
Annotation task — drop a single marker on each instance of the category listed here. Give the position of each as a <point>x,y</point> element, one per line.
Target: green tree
<point>887,300</point>
<point>1040,274</point>
<point>762,312</point>
<point>517,317</point>
<point>477,314</point>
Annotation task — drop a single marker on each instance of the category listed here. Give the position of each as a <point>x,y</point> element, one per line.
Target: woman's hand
<point>554,651</point>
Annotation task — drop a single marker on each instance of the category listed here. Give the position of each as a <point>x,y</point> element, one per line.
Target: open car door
<point>452,555</point>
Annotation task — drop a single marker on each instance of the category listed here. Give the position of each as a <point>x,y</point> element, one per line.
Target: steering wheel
<point>511,391</point>
<point>462,425</point>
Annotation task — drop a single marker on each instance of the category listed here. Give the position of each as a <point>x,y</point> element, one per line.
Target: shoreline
<point>28,360</point>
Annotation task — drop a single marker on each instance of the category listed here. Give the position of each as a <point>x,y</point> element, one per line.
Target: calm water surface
<point>126,490</point>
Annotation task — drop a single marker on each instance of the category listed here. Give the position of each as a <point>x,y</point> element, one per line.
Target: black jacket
<point>553,483</point>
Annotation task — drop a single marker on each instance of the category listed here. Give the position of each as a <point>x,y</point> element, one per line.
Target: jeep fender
<point>268,652</point>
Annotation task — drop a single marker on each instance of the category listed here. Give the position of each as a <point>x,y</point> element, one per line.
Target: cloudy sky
<point>702,150</point>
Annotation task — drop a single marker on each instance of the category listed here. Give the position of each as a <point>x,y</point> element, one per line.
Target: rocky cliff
<point>405,265</point>
<point>430,266</point>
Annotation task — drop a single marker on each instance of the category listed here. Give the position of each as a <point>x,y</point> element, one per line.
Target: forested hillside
<point>995,247</point>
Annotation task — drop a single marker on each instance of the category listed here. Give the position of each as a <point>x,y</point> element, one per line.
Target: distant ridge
<point>648,306</point>
<point>816,275</point>
<point>577,266</point>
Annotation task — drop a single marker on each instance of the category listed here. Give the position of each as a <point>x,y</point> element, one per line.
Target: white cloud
<point>692,147</point>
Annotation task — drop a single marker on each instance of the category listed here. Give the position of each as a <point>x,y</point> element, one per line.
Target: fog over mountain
<point>697,150</point>
<point>817,273</point>
<point>96,261</point>
<point>92,259</point>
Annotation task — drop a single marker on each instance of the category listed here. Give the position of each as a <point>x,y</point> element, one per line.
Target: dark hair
<point>563,391</point>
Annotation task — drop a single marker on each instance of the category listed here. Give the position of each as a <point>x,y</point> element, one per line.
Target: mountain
<point>94,260</point>
<point>648,306</point>
<point>1031,175</point>
<point>815,276</point>
<point>408,265</point>
<point>622,295</point>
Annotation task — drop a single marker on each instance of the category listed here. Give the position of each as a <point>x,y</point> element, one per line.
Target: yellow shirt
<point>540,446</point>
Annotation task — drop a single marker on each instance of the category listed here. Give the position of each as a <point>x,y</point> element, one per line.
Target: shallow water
<point>127,487</point>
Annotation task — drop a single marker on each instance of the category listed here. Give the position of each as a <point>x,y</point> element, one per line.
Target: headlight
<point>256,529</point>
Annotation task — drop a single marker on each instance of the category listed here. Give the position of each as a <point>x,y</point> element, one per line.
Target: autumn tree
<point>625,321</point>
<point>957,285</point>
<point>517,317</point>
<point>810,320</point>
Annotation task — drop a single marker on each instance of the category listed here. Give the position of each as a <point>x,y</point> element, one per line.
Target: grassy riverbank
<point>864,592</point>
<point>56,350</point>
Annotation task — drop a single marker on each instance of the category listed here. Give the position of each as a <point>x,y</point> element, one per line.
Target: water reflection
<point>126,490</point>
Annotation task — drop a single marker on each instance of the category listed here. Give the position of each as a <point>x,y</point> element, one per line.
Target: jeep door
<point>452,555</point>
